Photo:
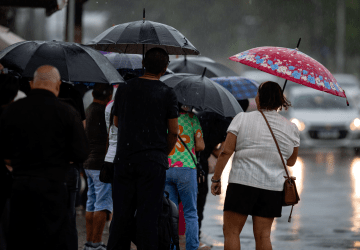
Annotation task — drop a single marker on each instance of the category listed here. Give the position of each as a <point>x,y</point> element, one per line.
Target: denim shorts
<point>99,195</point>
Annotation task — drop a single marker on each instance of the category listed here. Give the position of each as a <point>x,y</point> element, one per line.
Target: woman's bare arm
<point>292,160</point>
<point>217,150</point>
<point>199,143</point>
<point>229,148</point>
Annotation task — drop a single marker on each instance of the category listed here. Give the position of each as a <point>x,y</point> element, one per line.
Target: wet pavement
<point>327,216</point>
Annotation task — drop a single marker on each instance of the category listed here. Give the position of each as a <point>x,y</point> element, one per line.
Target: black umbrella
<point>139,36</point>
<point>202,93</point>
<point>75,62</point>
<point>196,65</point>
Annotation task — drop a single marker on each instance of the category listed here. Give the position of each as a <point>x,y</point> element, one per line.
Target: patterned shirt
<point>189,127</point>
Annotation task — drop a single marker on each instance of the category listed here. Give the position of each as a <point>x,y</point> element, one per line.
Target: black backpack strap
<point>195,162</point>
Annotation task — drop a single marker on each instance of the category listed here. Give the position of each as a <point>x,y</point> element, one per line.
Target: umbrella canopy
<point>241,87</point>
<point>293,65</point>
<point>75,62</point>
<point>196,65</point>
<point>139,36</point>
<point>128,63</point>
<point>202,93</point>
<point>125,61</point>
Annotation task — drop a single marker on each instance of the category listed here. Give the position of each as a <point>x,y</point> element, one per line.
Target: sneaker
<point>87,246</point>
<point>203,246</point>
<point>102,246</point>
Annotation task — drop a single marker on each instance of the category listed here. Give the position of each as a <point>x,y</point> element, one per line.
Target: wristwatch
<point>215,181</point>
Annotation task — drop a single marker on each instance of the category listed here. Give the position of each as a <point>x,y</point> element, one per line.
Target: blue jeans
<point>183,182</point>
<point>99,195</point>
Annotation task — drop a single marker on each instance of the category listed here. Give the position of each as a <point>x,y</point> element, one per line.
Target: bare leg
<point>98,226</point>
<point>89,216</point>
<point>233,225</point>
<point>262,230</point>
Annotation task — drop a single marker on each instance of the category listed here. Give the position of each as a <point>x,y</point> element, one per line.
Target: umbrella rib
<point>85,48</point>
<point>33,55</point>
<point>67,69</point>
<point>25,65</point>
<point>126,47</point>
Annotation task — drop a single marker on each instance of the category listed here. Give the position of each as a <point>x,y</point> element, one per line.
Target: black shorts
<point>253,201</point>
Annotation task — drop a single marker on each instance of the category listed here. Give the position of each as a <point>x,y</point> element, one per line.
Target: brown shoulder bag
<point>291,196</point>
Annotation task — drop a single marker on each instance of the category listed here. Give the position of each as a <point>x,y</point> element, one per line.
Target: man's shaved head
<point>47,77</point>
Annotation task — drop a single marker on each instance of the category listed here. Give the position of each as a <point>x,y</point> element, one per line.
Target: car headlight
<point>299,124</point>
<point>355,125</point>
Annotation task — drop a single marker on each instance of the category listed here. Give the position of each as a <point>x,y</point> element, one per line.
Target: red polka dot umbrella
<point>293,65</point>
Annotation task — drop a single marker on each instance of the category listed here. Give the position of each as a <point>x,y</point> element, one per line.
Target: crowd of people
<point>151,141</point>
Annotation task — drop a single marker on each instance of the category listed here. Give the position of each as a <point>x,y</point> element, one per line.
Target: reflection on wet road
<point>327,217</point>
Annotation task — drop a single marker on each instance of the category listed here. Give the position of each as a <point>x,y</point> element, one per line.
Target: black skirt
<point>253,201</point>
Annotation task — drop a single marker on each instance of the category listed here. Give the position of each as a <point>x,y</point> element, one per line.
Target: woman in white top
<point>256,179</point>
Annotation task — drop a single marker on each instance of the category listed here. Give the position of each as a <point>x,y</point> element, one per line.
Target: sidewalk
<point>80,222</point>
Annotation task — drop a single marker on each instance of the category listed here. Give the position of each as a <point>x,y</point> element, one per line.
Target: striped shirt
<point>256,161</point>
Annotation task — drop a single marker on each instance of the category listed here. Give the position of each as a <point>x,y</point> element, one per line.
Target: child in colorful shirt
<point>181,179</point>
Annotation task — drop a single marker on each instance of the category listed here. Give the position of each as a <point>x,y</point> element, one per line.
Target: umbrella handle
<point>284,86</point>
<point>143,15</point>
<point>297,46</point>
<point>143,56</point>
<point>203,74</point>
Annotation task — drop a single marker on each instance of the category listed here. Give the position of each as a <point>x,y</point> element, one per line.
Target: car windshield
<point>320,101</point>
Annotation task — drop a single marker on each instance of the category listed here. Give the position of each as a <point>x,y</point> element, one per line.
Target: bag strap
<point>195,162</point>
<point>277,145</point>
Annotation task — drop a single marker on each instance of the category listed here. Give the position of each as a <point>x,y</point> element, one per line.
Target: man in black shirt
<point>145,112</point>
<point>39,136</point>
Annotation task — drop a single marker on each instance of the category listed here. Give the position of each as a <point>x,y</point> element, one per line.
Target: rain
<point>327,169</point>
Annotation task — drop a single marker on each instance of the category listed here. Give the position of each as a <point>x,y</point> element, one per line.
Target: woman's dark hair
<point>102,91</point>
<point>271,96</point>
<point>156,60</point>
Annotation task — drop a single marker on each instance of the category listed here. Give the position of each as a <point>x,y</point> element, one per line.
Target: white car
<point>324,120</point>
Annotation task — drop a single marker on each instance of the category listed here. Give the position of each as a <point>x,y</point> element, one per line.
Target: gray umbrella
<point>202,93</point>
<point>75,62</point>
<point>139,36</point>
<point>128,63</point>
<point>196,65</point>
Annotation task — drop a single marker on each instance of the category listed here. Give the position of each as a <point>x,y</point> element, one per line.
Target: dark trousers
<point>5,191</point>
<point>38,214</point>
<point>137,187</point>
<point>203,190</point>
<point>72,189</point>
